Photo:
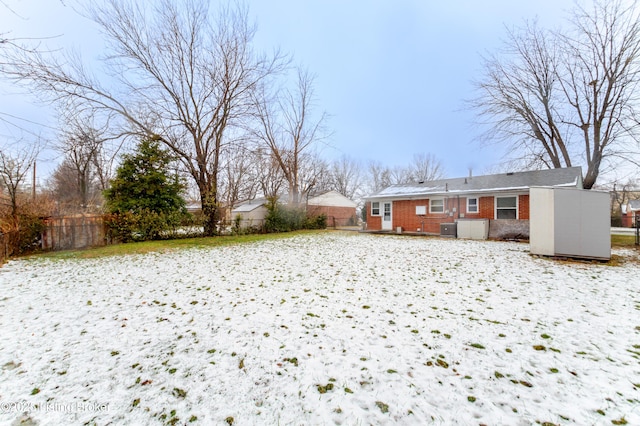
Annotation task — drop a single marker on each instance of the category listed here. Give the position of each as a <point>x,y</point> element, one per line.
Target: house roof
<point>331,199</point>
<point>503,182</point>
<point>634,205</point>
<point>249,206</point>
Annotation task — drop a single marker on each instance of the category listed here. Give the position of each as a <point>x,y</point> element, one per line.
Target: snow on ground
<point>317,329</point>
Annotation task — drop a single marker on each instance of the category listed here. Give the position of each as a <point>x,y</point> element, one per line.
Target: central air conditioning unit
<point>448,230</point>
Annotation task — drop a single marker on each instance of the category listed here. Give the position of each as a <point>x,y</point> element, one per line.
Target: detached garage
<point>570,222</point>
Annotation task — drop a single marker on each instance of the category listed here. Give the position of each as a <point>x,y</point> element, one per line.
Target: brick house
<point>500,200</point>
<point>340,210</point>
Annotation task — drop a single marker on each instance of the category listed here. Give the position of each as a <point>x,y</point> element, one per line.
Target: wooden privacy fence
<point>74,232</point>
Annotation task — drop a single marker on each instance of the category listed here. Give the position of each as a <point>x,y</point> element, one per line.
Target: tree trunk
<point>209,211</point>
<point>593,169</point>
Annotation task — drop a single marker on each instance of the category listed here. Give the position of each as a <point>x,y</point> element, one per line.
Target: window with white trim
<point>507,207</point>
<point>375,208</point>
<point>472,205</point>
<point>436,206</point>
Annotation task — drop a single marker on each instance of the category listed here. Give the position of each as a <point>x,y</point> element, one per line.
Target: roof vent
<point>509,173</point>
<point>421,182</point>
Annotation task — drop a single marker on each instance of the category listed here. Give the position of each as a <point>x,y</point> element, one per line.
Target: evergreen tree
<point>144,197</point>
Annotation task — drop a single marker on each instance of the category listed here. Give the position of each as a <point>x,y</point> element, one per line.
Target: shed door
<point>386,216</point>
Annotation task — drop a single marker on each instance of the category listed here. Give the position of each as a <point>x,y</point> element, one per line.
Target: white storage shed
<point>570,222</point>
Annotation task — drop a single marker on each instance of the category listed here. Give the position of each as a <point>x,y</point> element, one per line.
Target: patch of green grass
<point>293,360</point>
<point>471,398</point>
<point>168,245</point>
<point>179,393</point>
<point>442,363</point>
<point>623,240</point>
<point>382,406</point>
<point>476,345</point>
<point>325,388</point>
<point>620,421</point>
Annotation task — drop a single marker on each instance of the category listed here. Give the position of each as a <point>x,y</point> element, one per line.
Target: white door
<point>386,216</point>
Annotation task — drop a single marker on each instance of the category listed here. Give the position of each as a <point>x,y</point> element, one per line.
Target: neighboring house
<point>630,212</point>
<point>339,210</point>
<point>251,213</point>
<point>502,200</point>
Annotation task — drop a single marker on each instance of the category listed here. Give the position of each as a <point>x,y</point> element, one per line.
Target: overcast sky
<point>393,75</point>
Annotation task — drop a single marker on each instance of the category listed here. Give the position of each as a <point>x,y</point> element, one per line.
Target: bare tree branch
<point>183,76</point>
<point>563,98</point>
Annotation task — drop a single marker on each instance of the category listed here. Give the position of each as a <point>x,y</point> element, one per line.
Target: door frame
<point>387,225</point>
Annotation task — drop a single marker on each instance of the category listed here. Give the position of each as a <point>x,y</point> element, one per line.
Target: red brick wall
<point>486,208</point>
<point>404,213</point>
<point>341,214</point>
<point>523,207</point>
<point>374,223</point>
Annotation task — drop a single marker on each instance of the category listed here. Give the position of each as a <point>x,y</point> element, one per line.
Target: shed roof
<point>516,181</point>
<point>634,205</point>
<point>249,206</point>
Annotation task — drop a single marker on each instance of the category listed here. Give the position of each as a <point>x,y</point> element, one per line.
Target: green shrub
<point>282,218</point>
<point>146,225</point>
<point>316,222</point>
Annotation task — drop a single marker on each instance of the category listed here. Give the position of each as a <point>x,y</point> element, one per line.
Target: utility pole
<point>33,186</point>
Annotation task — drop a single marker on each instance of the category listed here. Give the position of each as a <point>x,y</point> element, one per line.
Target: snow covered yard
<point>320,329</point>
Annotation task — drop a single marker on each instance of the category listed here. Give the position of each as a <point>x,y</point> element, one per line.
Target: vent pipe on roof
<point>446,187</point>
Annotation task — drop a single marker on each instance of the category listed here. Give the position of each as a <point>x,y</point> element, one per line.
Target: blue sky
<point>393,75</point>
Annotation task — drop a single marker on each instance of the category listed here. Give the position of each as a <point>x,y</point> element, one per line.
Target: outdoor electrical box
<point>569,222</point>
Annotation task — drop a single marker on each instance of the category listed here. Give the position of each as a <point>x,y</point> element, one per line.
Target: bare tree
<point>81,176</point>
<point>621,193</point>
<point>16,161</point>
<point>559,99</point>
<point>287,127</point>
<point>185,78</point>
<point>269,173</point>
<point>313,175</point>
<point>378,176</point>
<point>425,167</point>
<point>239,181</point>
<point>347,177</point>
